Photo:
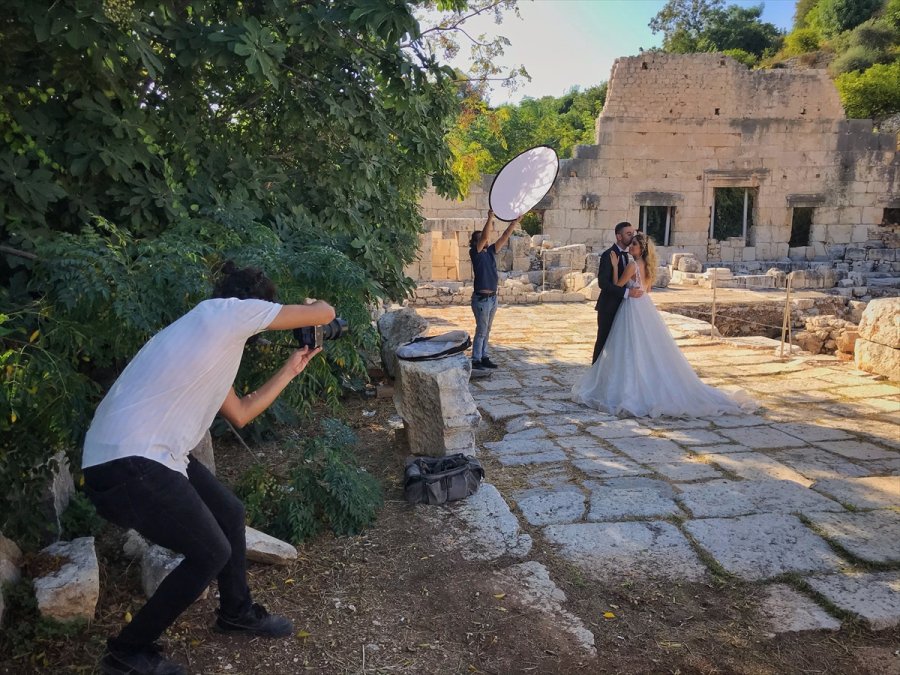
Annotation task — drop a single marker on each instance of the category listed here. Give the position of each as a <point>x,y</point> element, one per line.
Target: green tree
<point>739,28</point>
<point>837,16</point>
<point>690,26</point>
<point>145,142</point>
<point>682,23</point>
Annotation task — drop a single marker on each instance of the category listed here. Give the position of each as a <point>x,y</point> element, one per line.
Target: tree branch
<point>454,26</point>
<point>15,251</point>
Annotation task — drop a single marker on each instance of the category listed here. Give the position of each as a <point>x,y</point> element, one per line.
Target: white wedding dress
<point>642,372</point>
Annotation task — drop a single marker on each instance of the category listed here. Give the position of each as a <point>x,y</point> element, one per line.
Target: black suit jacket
<point>611,296</point>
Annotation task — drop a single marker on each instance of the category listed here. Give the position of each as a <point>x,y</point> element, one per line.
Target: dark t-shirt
<point>484,267</point>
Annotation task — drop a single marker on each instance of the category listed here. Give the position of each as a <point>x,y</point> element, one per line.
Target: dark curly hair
<point>243,283</point>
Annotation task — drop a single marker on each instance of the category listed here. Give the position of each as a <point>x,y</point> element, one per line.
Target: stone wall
<point>678,127</point>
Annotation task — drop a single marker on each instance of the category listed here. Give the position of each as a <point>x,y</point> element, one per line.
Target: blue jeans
<point>483,307</point>
<point>196,516</point>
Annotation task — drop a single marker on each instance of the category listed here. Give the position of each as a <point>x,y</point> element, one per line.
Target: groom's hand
<point>635,292</point>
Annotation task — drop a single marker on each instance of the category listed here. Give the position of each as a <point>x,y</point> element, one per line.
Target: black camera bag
<point>437,480</point>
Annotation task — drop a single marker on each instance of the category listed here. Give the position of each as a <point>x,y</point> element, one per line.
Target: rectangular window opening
<point>801,224</point>
<point>657,222</point>
<point>732,212</point>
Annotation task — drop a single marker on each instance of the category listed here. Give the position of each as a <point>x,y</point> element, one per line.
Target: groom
<point>611,296</point>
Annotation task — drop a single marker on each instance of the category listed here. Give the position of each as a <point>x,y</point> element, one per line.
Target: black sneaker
<point>257,621</point>
<point>147,661</point>
<point>487,363</point>
<point>477,365</point>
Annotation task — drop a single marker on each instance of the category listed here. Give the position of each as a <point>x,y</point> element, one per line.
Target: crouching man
<point>139,474</point>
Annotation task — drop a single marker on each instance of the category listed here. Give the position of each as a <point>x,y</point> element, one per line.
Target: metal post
<point>715,279</point>
<point>644,220</point>
<point>712,215</point>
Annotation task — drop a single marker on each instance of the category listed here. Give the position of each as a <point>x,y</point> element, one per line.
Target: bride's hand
<point>635,292</point>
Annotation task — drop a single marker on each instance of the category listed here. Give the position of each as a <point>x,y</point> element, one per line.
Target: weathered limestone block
<point>266,549</point>
<point>572,256</point>
<point>70,592</point>
<point>813,278</point>
<point>591,291</point>
<point>688,263</point>
<point>134,545</point>
<point>880,322</point>
<point>57,493</point>
<point>396,328</point>
<point>433,399</point>
<point>555,276</point>
<point>10,561</point>
<point>156,564</point>
<point>846,342</point>
<point>663,278</point>
<point>575,281</point>
<point>204,454</point>
<point>809,341</point>
<point>877,358</point>
<point>855,309</point>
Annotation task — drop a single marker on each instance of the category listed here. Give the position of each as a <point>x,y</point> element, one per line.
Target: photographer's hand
<point>299,359</point>
<point>241,411</point>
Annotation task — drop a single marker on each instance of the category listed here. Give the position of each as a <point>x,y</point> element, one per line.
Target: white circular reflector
<point>523,182</point>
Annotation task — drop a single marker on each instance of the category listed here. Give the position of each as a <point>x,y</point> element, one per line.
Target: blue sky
<point>563,43</point>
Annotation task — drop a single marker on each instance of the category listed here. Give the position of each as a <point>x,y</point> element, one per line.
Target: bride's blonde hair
<point>648,253</point>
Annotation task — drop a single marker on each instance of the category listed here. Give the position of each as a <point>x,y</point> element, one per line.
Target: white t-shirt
<point>167,397</point>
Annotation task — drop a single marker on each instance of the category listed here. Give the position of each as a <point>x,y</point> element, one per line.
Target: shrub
<point>532,223</point>
<point>80,519</point>
<point>874,93</point>
<point>854,59</point>
<point>877,34</point>
<point>324,488</point>
<point>802,40</point>
<point>742,56</point>
<point>891,13</point>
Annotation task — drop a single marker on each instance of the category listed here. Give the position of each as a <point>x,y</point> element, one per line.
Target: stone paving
<point>802,496</point>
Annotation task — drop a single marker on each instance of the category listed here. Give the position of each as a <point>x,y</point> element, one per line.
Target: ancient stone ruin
<point>749,171</point>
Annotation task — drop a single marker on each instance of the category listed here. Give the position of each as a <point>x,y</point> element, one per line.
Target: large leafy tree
<point>146,141</point>
<point>740,28</point>
<point>690,26</point>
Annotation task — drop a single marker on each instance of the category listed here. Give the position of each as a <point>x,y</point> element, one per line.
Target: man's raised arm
<point>298,316</point>
<point>501,242</point>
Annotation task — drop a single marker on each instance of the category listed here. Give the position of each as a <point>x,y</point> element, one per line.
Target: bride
<point>641,371</point>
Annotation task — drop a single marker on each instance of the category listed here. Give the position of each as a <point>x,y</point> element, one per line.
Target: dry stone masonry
<point>749,170</point>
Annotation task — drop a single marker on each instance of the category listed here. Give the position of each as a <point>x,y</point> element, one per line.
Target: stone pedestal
<point>438,412</point>
<point>204,454</point>
<point>396,328</point>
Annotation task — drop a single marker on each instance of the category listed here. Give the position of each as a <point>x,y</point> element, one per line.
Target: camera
<point>314,336</point>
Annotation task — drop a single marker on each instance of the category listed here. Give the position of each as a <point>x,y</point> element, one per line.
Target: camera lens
<point>334,329</point>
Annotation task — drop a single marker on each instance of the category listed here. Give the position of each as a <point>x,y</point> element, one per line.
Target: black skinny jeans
<point>196,516</point>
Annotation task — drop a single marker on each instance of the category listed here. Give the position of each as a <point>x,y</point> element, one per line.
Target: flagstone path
<point>803,495</point>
